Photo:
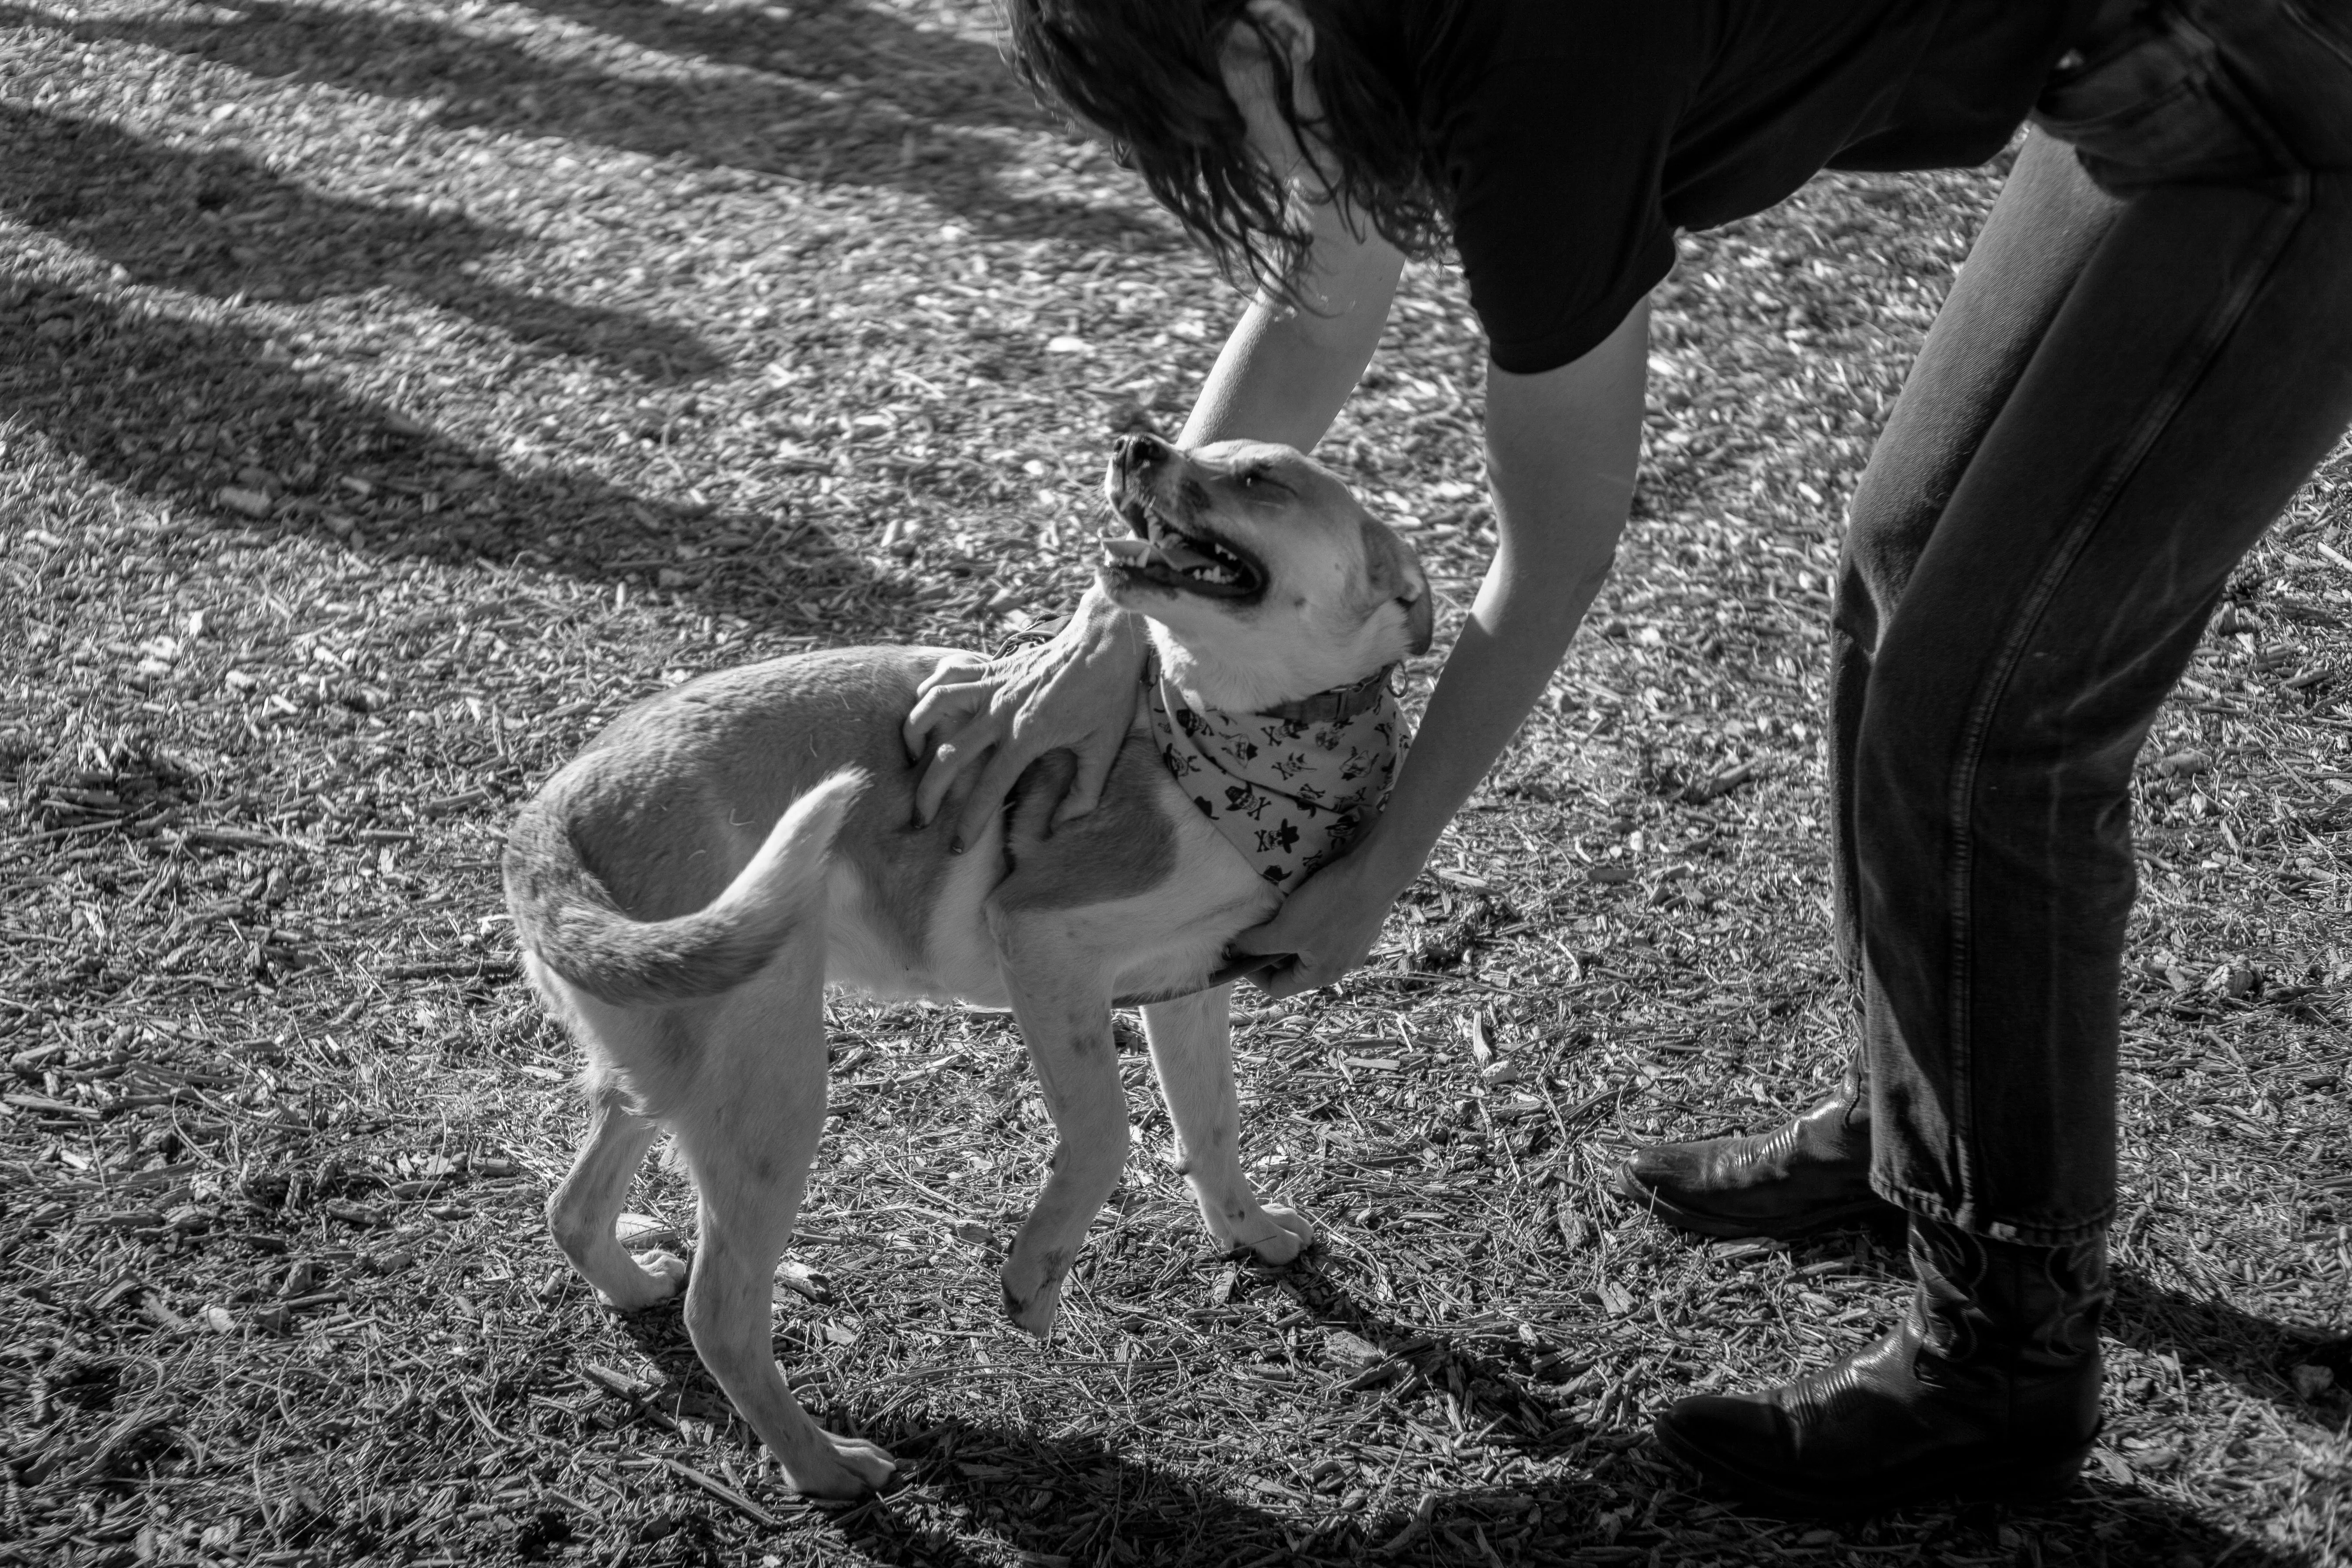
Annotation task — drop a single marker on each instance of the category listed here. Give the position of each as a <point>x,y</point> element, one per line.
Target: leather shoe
<point>1808,1174</point>
<point>1988,1388</point>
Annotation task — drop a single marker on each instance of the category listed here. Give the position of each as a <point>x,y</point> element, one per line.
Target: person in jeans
<point>2149,350</point>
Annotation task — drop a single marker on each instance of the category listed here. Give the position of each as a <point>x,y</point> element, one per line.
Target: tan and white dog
<point>686,889</point>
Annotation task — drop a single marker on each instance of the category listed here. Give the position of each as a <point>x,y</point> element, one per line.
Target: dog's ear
<point>1394,572</point>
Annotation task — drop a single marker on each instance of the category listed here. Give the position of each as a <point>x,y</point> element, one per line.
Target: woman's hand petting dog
<point>1324,928</point>
<point>1076,692</point>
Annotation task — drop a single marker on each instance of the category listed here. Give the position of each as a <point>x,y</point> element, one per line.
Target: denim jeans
<point>2147,352</point>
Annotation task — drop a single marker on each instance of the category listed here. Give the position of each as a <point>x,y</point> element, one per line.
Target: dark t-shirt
<point>1577,135</point>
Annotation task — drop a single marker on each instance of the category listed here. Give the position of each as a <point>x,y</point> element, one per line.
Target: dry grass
<point>390,391</point>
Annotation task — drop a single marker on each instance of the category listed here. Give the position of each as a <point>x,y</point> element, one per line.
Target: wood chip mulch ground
<point>389,393</point>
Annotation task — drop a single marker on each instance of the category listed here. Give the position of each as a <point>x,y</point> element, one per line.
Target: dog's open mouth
<point>1166,554</point>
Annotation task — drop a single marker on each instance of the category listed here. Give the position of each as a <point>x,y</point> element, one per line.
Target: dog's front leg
<point>1061,999</point>
<point>1192,1052</point>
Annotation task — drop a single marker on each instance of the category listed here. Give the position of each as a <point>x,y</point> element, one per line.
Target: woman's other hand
<point>1325,927</point>
<point>1077,692</point>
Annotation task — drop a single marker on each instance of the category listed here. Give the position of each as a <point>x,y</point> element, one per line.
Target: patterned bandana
<point>1290,793</point>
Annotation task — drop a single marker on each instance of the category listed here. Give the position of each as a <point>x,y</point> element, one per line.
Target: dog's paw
<point>871,1462</point>
<point>841,1468</point>
<point>1290,1233</point>
<point>1036,1313</point>
<point>660,1276</point>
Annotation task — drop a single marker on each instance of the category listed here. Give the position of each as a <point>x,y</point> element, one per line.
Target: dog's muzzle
<point>1180,556</point>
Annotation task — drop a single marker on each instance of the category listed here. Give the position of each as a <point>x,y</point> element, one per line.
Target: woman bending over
<point>2148,350</point>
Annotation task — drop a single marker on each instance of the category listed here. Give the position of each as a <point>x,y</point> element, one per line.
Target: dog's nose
<point>1137,450</point>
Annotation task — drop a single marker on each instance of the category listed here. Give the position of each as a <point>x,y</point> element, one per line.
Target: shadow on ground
<point>832,91</point>
<point>974,1491</point>
<point>180,410</point>
<point>219,224</point>
<point>2258,1354</point>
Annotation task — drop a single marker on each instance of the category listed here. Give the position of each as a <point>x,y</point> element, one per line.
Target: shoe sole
<point>2037,1481</point>
<point>1720,1227</point>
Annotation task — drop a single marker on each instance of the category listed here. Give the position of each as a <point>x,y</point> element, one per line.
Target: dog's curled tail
<point>568,918</point>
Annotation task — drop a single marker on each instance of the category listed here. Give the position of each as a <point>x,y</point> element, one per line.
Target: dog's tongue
<point>1169,550</point>
<point>1179,554</point>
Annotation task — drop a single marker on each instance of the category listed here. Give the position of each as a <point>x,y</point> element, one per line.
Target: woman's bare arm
<point>1560,453</point>
<point>1286,372</point>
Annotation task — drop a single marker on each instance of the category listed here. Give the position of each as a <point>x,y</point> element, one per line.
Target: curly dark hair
<point>1144,73</point>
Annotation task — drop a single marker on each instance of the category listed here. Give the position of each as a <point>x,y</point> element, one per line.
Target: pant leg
<point>2199,368</point>
<point>2042,231</point>
<point>2226,91</point>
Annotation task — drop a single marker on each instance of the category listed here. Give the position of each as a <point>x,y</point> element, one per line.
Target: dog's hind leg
<point>1062,1003</point>
<point>582,1211</point>
<point>747,1131</point>
<point>1193,1053</point>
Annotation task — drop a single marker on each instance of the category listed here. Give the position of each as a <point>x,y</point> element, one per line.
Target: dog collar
<point>1339,704</point>
<point>1289,792</point>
